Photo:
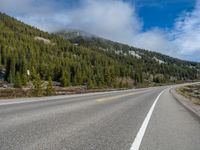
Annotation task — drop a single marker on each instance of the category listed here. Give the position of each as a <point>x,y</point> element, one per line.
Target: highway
<point>136,119</point>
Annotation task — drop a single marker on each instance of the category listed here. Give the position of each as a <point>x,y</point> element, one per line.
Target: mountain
<point>144,57</point>
<point>94,42</point>
<point>28,54</point>
<point>72,34</point>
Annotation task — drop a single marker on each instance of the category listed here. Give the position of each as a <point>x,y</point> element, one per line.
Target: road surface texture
<point>145,119</point>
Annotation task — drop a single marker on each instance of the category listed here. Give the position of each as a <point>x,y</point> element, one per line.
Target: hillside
<point>154,62</point>
<point>28,54</point>
<point>91,41</point>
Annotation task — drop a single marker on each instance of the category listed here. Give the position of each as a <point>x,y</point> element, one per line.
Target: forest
<point>28,54</point>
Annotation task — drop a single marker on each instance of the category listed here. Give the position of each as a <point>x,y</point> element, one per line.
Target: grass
<point>192,92</point>
<point>14,93</point>
<point>25,92</point>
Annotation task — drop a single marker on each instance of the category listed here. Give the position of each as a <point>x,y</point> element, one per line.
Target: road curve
<point>99,121</point>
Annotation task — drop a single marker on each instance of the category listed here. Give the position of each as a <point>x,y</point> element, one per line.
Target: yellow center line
<point>114,97</point>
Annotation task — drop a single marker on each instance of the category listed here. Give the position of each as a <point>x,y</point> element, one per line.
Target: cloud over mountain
<point>113,19</point>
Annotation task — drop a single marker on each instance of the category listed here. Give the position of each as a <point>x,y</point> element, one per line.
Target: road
<point>145,119</point>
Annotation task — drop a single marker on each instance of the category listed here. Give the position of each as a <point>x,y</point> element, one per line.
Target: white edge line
<point>141,132</point>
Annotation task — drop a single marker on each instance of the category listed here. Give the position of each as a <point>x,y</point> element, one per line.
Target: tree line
<point>26,59</point>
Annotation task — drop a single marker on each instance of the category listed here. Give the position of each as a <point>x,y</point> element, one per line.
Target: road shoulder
<point>171,127</point>
<point>186,102</point>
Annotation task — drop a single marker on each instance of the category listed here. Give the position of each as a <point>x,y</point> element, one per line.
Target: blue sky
<point>162,13</point>
<point>171,27</point>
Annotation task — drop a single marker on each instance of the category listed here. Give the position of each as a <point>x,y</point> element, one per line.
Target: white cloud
<point>46,22</point>
<point>187,31</point>
<point>27,7</point>
<point>113,19</point>
<point>155,39</point>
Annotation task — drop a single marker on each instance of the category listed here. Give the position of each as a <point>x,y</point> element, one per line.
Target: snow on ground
<point>158,60</point>
<point>133,53</point>
<point>46,41</point>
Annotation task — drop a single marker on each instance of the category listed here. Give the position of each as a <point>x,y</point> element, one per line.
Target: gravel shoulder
<point>186,102</point>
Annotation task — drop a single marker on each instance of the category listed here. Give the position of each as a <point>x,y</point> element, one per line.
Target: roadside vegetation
<point>192,92</point>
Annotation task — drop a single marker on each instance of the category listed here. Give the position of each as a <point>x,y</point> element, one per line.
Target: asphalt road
<point>144,119</point>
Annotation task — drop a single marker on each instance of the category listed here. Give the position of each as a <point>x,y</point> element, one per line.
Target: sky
<point>170,27</point>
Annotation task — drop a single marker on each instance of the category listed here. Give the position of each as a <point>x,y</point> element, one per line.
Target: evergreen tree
<point>90,84</point>
<point>38,86</point>
<point>141,77</point>
<point>65,78</point>
<point>137,78</point>
<point>50,90</point>
<point>18,82</point>
<point>10,70</point>
<point>24,79</point>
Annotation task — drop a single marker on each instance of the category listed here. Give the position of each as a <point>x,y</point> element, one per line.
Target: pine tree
<point>50,90</point>
<point>65,79</point>
<point>10,70</point>
<point>24,79</point>
<point>38,86</point>
<point>78,78</point>
<point>18,82</point>
<point>141,77</point>
<point>137,79</point>
<point>90,84</point>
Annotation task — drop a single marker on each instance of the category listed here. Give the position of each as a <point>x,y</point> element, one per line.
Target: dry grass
<point>18,93</point>
<point>192,92</point>
<point>14,93</point>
